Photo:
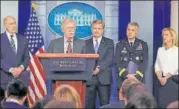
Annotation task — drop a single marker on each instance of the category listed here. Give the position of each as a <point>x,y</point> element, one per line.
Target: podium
<point>72,69</point>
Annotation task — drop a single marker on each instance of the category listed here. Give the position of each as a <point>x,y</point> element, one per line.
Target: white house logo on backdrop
<point>82,13</point>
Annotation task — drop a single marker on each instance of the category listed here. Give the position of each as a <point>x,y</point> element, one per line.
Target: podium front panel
<point>71,73</point>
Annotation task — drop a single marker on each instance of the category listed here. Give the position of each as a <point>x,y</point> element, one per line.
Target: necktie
<point>131,44</point>
<point>13,44</point>
<point>96,46</point>
<point>69,49</point>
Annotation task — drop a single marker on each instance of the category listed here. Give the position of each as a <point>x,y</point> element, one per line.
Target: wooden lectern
<point>72,69</point>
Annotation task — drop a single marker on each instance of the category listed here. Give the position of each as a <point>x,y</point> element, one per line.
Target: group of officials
<point>15,56</point>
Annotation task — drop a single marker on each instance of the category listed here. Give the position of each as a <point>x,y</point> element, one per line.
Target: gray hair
<point>66,21</point>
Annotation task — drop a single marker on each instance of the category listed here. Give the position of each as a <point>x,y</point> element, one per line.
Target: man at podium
<point>131,55</point>
<point>102,73</point>
<point>68,43</point>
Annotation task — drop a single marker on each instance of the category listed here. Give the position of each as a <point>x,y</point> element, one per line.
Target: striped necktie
<point>13,44</point>
<point>69,48</point>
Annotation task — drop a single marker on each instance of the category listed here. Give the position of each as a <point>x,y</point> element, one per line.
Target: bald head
<point>10,24</point>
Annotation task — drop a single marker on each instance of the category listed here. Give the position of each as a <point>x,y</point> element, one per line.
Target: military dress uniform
<point>137,53</point>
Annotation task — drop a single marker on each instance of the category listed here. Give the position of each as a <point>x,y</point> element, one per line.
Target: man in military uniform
<point>134,50</point>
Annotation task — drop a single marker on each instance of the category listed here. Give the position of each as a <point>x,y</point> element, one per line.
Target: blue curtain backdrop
<point>161,20</point>
<point>24,14</point>
<point>124,17</point>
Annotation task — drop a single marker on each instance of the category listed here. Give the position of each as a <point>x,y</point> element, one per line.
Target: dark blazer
<point>11,105</point>
<point>57,45</point>
<point>10,59</point>
<point>124,53</point>
<point>106,53</point>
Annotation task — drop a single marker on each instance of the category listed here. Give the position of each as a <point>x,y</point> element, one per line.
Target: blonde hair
<point>67,93</point>
<point>173,34</point>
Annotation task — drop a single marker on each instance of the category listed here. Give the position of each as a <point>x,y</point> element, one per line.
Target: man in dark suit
<point>102,74</point>
<point>14,54</point>
<point>15,95</point>
<point>68,43</point>
<point>134,50</point>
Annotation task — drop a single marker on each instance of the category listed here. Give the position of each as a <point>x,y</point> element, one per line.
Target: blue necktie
<point>13,44</point>
<point>96,46</point>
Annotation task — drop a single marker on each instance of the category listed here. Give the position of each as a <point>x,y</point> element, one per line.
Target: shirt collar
<point>12,100</point>
<point>131,41</point>
<point>170,47</point>
<point>9,34</point>
<point>99,39</point>
<point>65,39</point>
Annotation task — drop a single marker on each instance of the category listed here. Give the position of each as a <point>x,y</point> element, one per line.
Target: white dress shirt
<point>94,44</point>
<point>14,37</point>
<point>66,45</point>
<point>167,61</point>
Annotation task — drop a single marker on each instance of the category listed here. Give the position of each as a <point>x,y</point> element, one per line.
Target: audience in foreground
<point>174,105</point>
<point>60,104</point>
<point>122,94</point>
<point>67,93</point>
<point>15,94</point>
<point>41,103</point>
<point>141,100</point>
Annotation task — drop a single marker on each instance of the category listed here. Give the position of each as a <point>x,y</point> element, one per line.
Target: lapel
<point>62,42</point>
<point>91,46</point>
<point>75,45</point>
<point>133,48</point>
<point>127,46</point>
<point>9,45</point>
<point>136,43</point>
<point>19,45</point>
<point>102,46</point>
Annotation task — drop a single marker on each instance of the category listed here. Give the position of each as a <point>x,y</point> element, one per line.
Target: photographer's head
<point>17,90</point>
<point>141,100</point>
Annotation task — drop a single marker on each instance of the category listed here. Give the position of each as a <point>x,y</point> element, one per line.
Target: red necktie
<point>69,49</point>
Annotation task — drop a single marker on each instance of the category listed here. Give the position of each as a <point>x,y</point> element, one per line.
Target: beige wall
<point>174,15</point>
<point>8,8</point>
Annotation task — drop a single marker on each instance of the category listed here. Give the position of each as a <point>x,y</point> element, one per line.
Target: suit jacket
<point>10,59</point>
<point>11,105</point>
<point>125,53</point>
<point>57,45</point>
<point>106,53</point>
